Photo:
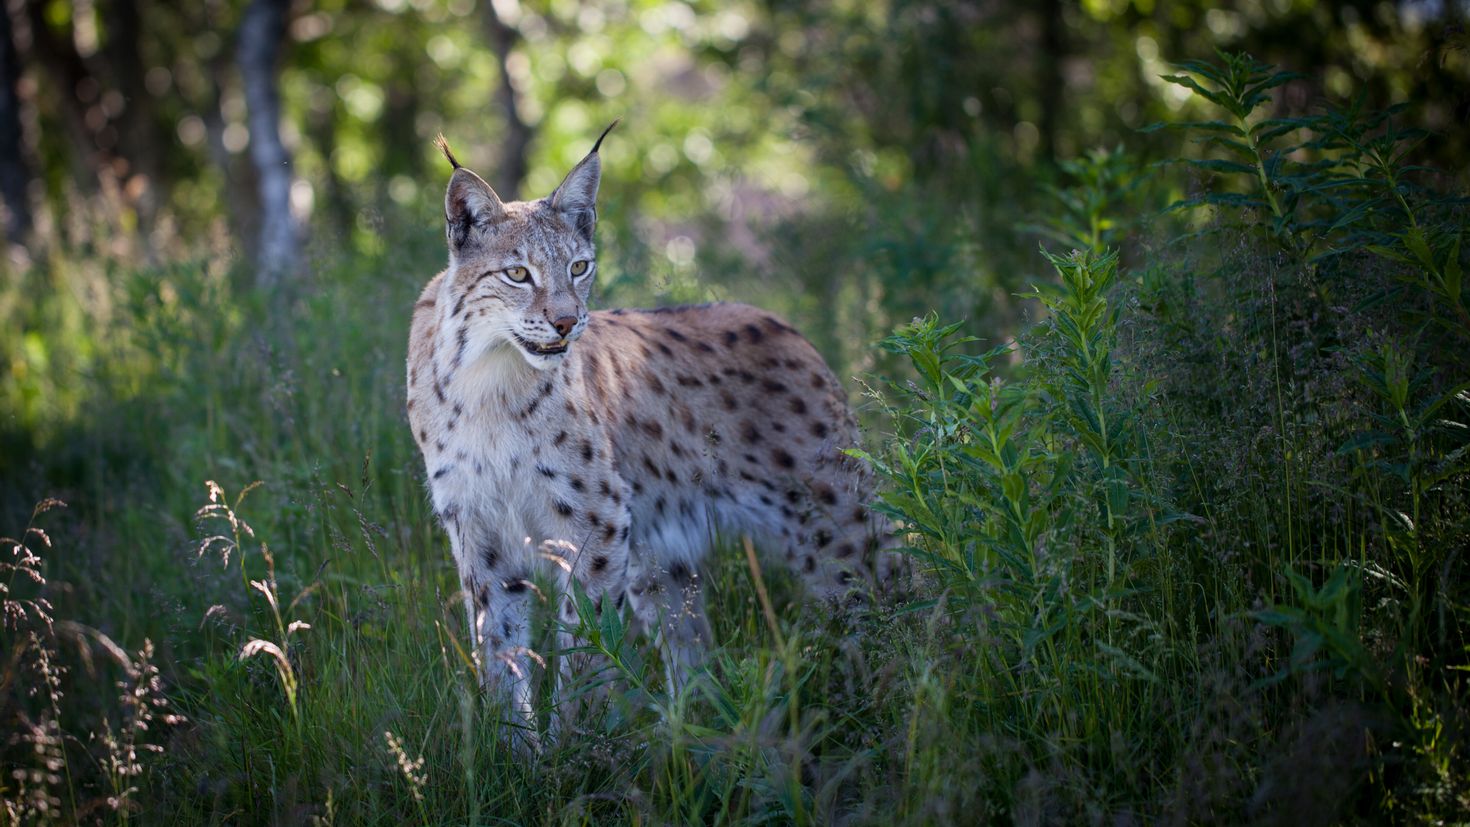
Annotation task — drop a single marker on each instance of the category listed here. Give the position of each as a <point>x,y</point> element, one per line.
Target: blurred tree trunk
<point>14,176</point>
<point>58,58</point>
<point>517,140</point>
<point>262,31</point>
<point>1052,88</point>
<point>138,141</point>
<point>241,208</point>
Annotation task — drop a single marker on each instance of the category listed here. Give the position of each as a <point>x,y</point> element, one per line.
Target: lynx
<point>611,446</point>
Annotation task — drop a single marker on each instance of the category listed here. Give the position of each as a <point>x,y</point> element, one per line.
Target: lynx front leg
<point>502,630</point>
<point>498,603</point>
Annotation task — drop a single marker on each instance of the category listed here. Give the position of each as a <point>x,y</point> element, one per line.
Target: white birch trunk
<point>262,31</point>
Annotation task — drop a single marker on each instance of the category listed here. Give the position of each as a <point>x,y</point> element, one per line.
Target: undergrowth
<point>1191,548</point>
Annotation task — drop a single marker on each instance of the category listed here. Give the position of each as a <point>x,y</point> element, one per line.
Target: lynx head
<point>520,271</point>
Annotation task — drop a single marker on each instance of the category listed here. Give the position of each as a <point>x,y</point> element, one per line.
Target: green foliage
<point>1060,501</point>
<point>1092,212</point>
<point>1328,185</point>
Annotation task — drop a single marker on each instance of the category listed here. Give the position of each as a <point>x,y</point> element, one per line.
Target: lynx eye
<point>579,268</point>
<point>519,275</point>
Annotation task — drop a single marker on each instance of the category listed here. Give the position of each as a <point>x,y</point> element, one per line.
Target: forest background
<point>217,215</point>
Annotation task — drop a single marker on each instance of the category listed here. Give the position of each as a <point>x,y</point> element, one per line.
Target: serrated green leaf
<point>1190,83</point>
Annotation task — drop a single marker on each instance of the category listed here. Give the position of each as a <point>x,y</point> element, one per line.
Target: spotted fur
<point>617,460</point>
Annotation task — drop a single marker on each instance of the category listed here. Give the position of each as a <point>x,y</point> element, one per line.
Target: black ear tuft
<point>598,145</point>
<point>449,153</point>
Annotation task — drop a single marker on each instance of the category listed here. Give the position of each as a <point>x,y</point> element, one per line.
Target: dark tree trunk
<point>262,31</point>
<point>1052,87</point>
<point>59,59</point>
<point>138,141</point>
<point>15,177</point>
<point>517,139</point>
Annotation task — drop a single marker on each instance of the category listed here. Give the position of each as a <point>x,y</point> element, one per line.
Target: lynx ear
<point>576,198</point>
<point>469,204</point>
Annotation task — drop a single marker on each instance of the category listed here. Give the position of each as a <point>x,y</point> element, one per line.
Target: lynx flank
<point>611,446</point>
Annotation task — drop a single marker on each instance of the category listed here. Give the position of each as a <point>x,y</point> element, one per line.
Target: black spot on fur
<point>749,433</point>
<point>562,508</point>
<point>773,386</point>
<point>775,326</point>
<point>676,335</point>
<point>516,586</point>
<point>823,538</point>
<point>798,405</point>
<point>531,407</point>
<point>546,472</point>
<point>731,338</point>
<point>820,430</point>
<point>586,450</point>
<point>578,485</point>
<point>561,436</point>
<point>490,556</point>
<point>754,334</point>
<point>679,572</point>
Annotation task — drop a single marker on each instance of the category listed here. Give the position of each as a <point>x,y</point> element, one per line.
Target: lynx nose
<point>564,325</point>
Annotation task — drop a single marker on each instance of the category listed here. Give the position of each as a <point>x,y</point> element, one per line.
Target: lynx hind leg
<point>669,601</point>
<point>839,556</point>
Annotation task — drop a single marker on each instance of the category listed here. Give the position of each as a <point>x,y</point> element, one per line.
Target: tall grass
<point>1191,548</point>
